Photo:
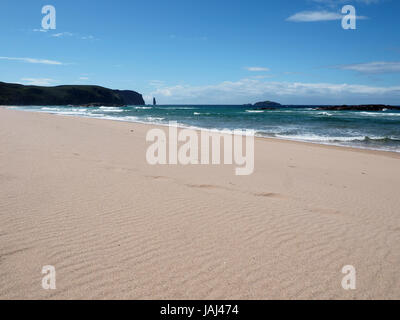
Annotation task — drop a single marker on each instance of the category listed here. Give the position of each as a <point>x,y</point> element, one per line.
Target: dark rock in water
<point>265,108</point>
<point>267,104</point>
<point>366,107</point>
<point>17,94</point>
<point>264,105</point>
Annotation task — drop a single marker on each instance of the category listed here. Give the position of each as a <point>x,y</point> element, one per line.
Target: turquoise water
<point>371,130</point>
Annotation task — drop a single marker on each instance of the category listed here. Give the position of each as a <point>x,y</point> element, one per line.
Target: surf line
<point>188,153</point>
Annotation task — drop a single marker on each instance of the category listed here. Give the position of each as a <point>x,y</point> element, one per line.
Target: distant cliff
<point>17,94</point>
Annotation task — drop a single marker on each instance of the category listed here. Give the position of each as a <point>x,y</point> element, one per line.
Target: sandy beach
<point>78,194</point>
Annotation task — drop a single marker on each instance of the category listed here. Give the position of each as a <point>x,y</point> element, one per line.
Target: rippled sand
<point>78,194</point>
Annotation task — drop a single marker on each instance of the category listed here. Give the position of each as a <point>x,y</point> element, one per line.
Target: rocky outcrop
<point>267,104</point>
<point>17,94</point>
<point>264,105</point>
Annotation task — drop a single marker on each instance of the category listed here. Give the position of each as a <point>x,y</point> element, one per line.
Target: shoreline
<point>394,154</point>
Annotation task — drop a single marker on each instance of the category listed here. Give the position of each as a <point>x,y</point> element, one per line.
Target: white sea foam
<point>340,141</point>
<point>124,119</point>
<point>72,113</point>
<point>312,137</point>
<point>64,110</point>
<point>154,119</point>
<point>180,108</point>
<point>111,109</point>
<point>380,114</point>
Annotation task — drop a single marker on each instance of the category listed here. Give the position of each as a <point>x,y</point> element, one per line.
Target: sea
<point>360,129</point>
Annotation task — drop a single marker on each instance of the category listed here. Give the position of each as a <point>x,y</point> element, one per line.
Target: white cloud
<point>62,34</point>
<point>247,90</point>
<point>67,34</point>
<point>38,81</point>
<point>89,37</point>
<point>378,67</point>
<point>83,78</point>
<point>312,16</point>
<point>148,98</point>
<point>256,69</point>
<point>32,60</point>
<point>262,76</point>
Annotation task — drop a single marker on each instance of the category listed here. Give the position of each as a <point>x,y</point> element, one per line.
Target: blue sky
<point>209,51</point>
